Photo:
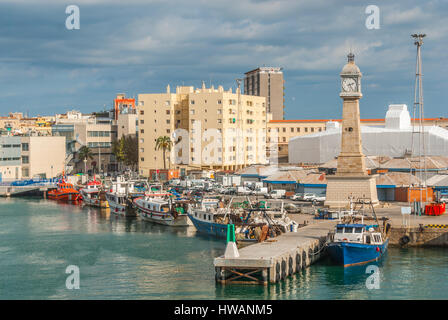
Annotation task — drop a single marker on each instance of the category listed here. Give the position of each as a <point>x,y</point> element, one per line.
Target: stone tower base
<point>341,188</point>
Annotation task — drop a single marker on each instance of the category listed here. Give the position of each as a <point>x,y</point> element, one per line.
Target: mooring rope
<point>323,246</point>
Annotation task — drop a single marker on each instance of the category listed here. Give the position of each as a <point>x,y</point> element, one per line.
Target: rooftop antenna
<point>418,111</point>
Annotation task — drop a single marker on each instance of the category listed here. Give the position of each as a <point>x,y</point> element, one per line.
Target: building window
<point>141,122</point>
<point>298,129</point>
<point>142,131</point>
<point>142,112</point>
<point>306,129</point>
<point>192,101</point>
<point>25,147</point>
<point>25,159</point>
<point>142,159</point>
<point>219,101</point>
<point>167,111</point>
<point>292,129</point>
<point>25,172</point>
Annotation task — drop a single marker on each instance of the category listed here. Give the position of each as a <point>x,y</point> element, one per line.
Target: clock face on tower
<point>349,85</point>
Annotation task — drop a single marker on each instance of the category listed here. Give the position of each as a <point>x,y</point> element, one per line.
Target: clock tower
<point>351,179</point>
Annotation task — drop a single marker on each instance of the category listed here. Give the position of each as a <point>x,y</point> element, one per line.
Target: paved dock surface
<point>272,248</point>
<point>276,258</point>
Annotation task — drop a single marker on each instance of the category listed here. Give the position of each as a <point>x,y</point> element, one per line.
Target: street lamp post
<point>85,166</point>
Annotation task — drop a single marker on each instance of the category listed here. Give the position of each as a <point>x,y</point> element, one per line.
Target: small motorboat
<point>64,192</point>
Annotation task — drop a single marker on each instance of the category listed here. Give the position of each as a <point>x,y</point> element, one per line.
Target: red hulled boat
<point>64,192</point>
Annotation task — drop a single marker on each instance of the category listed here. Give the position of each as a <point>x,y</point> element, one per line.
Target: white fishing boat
<point>93,195</point>
<point>163,211</point>
<point>120,196</point>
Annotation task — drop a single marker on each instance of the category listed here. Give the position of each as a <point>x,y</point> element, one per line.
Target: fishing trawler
<point>354,243</point>
<point>93,195</point>
<point>253,224</point>
<point>120,197</point>
<point>164,210</point>
<point>64,192</point>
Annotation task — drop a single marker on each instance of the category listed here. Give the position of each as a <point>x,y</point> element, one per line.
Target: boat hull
<point>122,210</point>
<point>93,199</point>
<point>351,254</point>
<point>68,197</point>
<point>208,227</point>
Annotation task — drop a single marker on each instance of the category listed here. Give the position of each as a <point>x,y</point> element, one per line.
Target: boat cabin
<point>359,233</point>
<point>157,205</point>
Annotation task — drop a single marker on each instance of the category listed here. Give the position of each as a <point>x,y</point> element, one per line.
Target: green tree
<point>164,143</point>
<point>118,148</point>
<point>130,150</point>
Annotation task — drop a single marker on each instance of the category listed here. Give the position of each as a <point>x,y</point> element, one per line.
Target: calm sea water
<point>122,258</point>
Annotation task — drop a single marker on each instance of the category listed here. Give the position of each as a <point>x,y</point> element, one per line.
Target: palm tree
<point>164,143</point>
<point>85,153</point>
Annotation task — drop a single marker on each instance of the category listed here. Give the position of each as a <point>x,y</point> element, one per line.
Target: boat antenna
<point>418,111</point>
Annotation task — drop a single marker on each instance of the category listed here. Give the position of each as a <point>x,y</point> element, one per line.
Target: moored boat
<point>120,197</point>
<point>252,224</point>
<point>353,243</point>
<point>64,192</point>
<point>163,211</point>
<point>356,244</point>
<point>93,195</point>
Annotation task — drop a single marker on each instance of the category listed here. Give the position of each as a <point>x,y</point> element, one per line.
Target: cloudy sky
<point>140,46</point>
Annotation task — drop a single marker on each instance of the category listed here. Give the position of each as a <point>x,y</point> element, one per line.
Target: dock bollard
<point>231,249</point>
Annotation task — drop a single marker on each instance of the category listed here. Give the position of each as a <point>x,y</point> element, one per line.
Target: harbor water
<point>123,258</point>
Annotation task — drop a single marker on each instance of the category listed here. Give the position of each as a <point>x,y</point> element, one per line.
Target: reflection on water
<point>128,258</point>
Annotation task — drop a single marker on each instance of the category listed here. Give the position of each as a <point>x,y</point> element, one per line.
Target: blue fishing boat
<point>356,244</point>
<point>210,217</point>
<point>205,217</point>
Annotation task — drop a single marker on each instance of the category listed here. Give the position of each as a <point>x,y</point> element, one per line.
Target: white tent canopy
<point>394,140</point>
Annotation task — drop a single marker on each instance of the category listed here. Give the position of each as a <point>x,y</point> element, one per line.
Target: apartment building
<point>42,156</point>
<point>25,157</point>
<point>10,158</point>
<point>267,82</point>
<point>211,128</point>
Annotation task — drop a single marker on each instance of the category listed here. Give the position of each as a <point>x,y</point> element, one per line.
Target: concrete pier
<point>273,260</point>
<point>18,191</point>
